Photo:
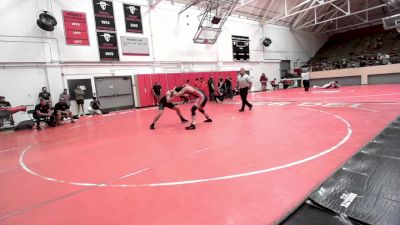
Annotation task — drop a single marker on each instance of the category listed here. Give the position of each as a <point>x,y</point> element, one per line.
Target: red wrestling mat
<point>372,93</point>
<point>244,168</point>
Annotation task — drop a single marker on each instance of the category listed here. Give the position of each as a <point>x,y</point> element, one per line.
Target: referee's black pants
<point>306,84</point>
<point>243,95</point>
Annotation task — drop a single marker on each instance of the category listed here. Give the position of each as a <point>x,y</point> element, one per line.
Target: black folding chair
<point>30,114</point>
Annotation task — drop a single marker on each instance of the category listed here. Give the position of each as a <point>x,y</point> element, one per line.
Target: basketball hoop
<point>206,35</point>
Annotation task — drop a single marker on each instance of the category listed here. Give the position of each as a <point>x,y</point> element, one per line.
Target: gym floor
<point>244,168</point>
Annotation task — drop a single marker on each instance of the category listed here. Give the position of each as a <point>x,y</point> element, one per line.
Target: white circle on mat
<point>194,181</point>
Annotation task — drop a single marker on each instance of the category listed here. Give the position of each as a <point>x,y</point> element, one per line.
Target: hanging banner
<point>106,32</point>
<point>108,46</point>
<point>104,15</point>
<point>75,26</point>
<point>241,50</point>
<point>134,46</point>
<point>133,19</point>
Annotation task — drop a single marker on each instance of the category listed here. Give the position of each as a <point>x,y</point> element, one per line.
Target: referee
<point>244,83</point>
<point>305,76</point>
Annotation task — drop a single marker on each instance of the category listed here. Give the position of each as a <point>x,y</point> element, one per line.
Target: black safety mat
<point>366,190</point>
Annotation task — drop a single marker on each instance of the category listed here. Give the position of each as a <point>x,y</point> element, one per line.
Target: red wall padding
<point>170,80</point>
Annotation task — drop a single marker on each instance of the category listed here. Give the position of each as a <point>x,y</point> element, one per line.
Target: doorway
<point>114,93</point>
<point>285,68</point>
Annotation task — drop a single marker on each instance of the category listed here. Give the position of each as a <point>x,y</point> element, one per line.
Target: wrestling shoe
<point>191,127</point>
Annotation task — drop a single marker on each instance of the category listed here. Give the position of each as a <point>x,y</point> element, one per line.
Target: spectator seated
<point>275,84</point>
<point>94,107</point>
<point>42,113</point>
<point>358,48</point>
<point>285,84</point>
<point>61,111</point>
<point>6,112</point>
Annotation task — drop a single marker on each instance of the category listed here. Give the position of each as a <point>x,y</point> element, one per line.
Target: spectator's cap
<point>94,98</point>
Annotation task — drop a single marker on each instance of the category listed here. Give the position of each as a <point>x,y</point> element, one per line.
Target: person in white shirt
<point>244,85</point>
<point>305,76</point>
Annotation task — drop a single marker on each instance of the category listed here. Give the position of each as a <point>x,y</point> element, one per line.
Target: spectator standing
<point>203,85</point>
<point>221,86</point>
<point>80,99</point>
<point>263,80</point>
<point>45,95</point>
<point>65,97</point>
<point>196,83</point>
<point>228,86</point>
<point>344,63</point>
<point>157,92</point>
<point>211,88</point>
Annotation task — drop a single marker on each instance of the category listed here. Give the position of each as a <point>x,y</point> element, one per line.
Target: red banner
<point>76,31</point>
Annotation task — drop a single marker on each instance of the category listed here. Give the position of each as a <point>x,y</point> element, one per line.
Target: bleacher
<point>358,48</point>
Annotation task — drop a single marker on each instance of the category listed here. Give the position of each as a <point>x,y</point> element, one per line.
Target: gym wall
<point>32,58</point>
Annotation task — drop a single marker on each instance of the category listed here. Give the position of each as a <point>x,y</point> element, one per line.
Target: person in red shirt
<point>263,80</point>
<point>275,84</point>
<point>203,86</point>
<point>285,83</point>
<point>196,83</point>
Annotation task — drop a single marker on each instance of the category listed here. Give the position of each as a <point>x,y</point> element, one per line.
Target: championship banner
<point>134,46</point>
<point>104,15</point>
<point>133,19</point>
<point>75,26</point>
<point>108,46</point>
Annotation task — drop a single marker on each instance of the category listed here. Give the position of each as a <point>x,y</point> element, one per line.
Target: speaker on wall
<point>46,21</point>
<point>267,42</point>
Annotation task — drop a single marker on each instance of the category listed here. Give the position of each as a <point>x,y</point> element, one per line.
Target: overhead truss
<point>320,18</point>
<point>392,4</point>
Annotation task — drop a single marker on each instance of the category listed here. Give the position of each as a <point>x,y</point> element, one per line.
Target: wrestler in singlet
<point>201,100</point>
